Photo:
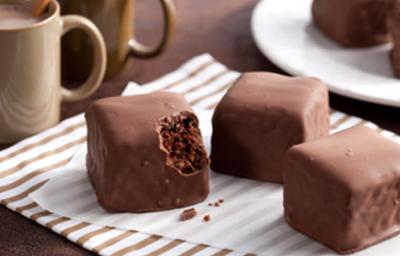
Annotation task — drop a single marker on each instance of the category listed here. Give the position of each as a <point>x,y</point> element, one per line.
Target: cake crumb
<point>207,218</point>
<point>216,203</point>
<point>188,214</point>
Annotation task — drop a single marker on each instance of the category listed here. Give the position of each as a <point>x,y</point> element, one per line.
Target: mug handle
<point>70,22</point>
<point>139,50</point>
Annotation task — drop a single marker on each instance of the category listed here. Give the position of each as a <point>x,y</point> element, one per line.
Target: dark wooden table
<point>217,27</point>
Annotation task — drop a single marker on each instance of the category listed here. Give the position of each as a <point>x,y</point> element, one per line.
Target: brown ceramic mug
<point>30,81</point>
<point>115,19</point>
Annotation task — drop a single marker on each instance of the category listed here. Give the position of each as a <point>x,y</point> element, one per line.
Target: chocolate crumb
<point>221,201</point>
<point>216,204</point>
<point>207,218</point>
<point>188,214</point>
<point>210,204</point>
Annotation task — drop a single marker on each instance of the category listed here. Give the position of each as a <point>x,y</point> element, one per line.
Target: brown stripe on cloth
<point>26,207</point>
<point>214,105</point>
<point>137,246</point>
<point>43,155</point>
<point>190,75</point>
<point>83,239</point>
<point>226,86</point>
<point>166,248</point>
<point>23,194</point>
<point>194,250</point>
<point>113,241</point>
<point>340,121</point>
<point>66,232</point>
<point>57,221</point>
<point>40,214</point>
<point>43,141</point>
<point>33,174</point>
<point>222,252</point>
<point>208,81</point>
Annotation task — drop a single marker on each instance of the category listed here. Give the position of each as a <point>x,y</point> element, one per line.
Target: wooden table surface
<point>220,28</point>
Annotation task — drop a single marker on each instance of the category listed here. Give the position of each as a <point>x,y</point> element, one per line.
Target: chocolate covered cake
<point>353,23</point>
<point>344,190</point>
<point>145,153</point>
<point>394,28</point>
<point>260,118</point>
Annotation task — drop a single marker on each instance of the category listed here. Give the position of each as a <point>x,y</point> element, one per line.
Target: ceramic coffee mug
<point>115,19</point>
<point>30,81</point>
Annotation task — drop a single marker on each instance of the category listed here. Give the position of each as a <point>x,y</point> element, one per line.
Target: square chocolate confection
<point>260,118</point>
<point>344,190</point>
<point>353,23</point>
<point>145,153</point>
<point>394,28</point>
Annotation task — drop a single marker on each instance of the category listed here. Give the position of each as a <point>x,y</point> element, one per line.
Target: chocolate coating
<point>394,28</point>
<point>145,153</point>
<point>344,190</point>
<point>353,23</point>
<point>260,118</point>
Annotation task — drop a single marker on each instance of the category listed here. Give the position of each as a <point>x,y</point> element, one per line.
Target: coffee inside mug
<point>16,15</point>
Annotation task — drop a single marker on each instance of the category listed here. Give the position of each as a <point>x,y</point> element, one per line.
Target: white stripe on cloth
<point>48,147</point>
<point>181,73</point>
<point>61,126</point>
<point>38,166</point>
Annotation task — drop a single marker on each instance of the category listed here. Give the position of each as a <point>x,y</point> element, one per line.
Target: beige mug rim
<point>55,13</point>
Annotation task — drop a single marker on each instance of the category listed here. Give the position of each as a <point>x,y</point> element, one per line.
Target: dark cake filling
<point>180,137</point>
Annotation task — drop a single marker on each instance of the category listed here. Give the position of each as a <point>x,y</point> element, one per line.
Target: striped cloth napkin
<point>28,165</point>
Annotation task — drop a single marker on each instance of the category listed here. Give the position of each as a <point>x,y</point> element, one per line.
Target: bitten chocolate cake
<point>344,190</point>
<point>353,23</point>
<point>260,118</point>
<point>145,153</point>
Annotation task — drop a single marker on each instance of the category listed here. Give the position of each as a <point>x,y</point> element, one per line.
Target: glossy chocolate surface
<point>344,190</point>
<point>353,23</point>
<point>145,153</point>
<point>260,118</point>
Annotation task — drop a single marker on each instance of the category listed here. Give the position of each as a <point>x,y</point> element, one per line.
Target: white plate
<point>284,32</point>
